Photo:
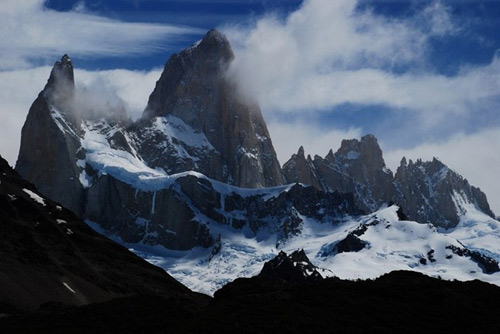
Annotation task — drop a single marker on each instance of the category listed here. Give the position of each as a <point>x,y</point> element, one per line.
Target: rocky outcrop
<point>194,88</point>
<point>357,167</point>
<point>292,268</point>
<point>431,192</point>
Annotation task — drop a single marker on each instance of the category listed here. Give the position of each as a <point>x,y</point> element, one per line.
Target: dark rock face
<point>193,88</point>
<point>358,167</point>
<point>487,264</point>
<point>50,257</point>
<point>155,217</point>
<point>351,243</point>
<point>180,216</point>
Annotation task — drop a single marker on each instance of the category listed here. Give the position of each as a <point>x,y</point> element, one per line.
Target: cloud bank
<point>328,53</point>
<point>29,32</point>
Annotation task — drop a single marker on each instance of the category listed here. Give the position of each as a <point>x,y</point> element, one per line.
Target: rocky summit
<point>198,176</point>
<point>194,89</point>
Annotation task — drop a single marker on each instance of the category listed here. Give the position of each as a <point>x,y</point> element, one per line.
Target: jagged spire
<point>329,156</point>
<point>300,152</point>
<point>60,88</point>
<point>62,73</point>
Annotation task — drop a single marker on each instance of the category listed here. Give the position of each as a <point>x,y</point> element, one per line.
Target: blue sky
<point>422,75</point>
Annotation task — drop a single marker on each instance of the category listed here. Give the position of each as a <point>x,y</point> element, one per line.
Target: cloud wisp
<point>29,32</point>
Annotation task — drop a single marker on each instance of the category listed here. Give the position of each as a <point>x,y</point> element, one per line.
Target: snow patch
<point>66,285</point>
<point>35,197</point>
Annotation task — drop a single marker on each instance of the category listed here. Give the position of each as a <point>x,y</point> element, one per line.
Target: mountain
<point>194,185</point>
<point>398,302</point>
<point>97,162</point>
<point>52,259</point>
<point>427,192</point>
<point>300,169</point>
<point>194,88</point>
<point>358,168</point>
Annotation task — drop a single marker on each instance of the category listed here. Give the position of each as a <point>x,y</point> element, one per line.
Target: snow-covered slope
<point>359,248</point>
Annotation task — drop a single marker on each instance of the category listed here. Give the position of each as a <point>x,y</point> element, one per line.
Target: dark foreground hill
<point>399,302</point>
<point>50,259</point>
<point>59,276</point>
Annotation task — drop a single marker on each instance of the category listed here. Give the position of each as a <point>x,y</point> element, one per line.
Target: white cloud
<point>131,87</point>
<point>29,31</point>
<point>328,53</point>
<point>474,156</point>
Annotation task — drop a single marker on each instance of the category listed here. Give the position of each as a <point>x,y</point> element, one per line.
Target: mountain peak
<point>60,87</point>
<point>215,35</point>
<point>195,89</point>
<point>62,73</point>
<point>214,47</point>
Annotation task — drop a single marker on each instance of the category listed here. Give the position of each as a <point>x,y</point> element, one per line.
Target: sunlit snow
<point>35,197</point>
